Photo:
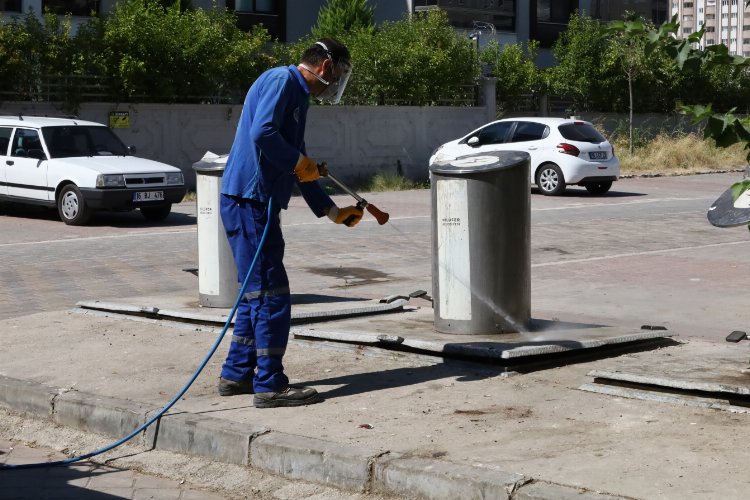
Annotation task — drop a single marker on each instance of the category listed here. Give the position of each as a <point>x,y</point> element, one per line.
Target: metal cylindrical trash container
<point>481,261</point>
<point>217,274</point>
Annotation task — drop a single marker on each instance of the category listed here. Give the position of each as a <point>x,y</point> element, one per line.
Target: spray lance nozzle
<point>380,216</point>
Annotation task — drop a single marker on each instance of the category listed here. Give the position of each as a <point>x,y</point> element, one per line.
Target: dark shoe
<point>232,388</point>
<point>291,396</point>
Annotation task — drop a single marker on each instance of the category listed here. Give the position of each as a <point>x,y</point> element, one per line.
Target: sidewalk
<point>85,480</point>
<point>415,424</point>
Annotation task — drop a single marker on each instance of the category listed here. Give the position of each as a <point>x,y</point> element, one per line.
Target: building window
<point>746,41</point>
<point>710,29</point>
<point>75,7</point>
<point>656,11</point>
<point>258,6</point>
<point>462,13</point>
<point>709,41</point>
<point>687,31</point>
<point>10,5</point>
<point>550,18</point>
<point>687,5</point>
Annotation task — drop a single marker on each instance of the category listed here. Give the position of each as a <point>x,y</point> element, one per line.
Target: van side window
<point>5,140</point>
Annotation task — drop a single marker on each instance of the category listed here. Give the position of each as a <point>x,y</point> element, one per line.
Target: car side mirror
<point>131,150</point>
<point>36,153</point>
<point>473,141</point>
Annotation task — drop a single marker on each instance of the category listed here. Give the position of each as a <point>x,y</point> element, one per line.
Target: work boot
<point>291,396</point>
<point>232,388</point>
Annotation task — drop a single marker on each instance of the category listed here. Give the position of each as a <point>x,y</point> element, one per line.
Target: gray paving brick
<point>112,479</point>
<point>156,494</point>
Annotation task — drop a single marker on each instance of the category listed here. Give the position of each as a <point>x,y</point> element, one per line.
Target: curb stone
<point>297,457</point>
<point>29,397</point>
<point>539,490</point>
<point>434,479</point>
<point>101,414</point>
<point>301,457</point>
<point>202,436</point>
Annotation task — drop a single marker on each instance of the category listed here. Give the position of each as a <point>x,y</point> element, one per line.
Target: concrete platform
<point>396,325</point>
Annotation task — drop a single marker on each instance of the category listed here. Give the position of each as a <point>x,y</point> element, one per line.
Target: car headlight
<point>110,180</point>
<point>174,178</point>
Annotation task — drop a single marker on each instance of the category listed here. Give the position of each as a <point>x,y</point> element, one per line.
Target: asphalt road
<point>643,254</point>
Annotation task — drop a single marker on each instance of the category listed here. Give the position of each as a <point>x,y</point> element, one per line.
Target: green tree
<point>580,54</point>
<point>627,47</point>
<point>338,17</point>
<point>166,54</point>
<point>417,60</point>
<point>517,74</point>
<point>33,52</point>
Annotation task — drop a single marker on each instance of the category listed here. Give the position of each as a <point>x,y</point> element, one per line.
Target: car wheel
<point>550,180</point>
<point>72,207</point>
<point>598,187</point>
<point>156,213</point>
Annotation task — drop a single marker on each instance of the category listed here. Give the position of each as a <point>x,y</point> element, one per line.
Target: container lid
<point>209,168</point>
<point>480,162</point>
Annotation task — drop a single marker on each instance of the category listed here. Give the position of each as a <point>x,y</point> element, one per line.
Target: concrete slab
<point>301,313</point>
<point>693,375</point>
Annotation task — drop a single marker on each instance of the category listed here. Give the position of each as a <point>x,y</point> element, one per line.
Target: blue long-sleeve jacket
<point>269,140</point>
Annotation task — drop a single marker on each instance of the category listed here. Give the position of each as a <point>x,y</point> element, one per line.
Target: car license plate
<point>148,196</point>
<point>598,155</point>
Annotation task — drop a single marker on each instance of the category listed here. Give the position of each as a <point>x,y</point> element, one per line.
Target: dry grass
<point>677,154</point>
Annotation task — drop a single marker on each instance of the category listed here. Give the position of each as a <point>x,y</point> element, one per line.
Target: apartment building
<point>726,21</point>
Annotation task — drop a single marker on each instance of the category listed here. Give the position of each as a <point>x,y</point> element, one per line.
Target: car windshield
<point>82,140</point>
<point>581,132</point>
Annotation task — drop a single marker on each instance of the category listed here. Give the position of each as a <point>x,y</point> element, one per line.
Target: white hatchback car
<point>563,151</point>
<point>79,167</point>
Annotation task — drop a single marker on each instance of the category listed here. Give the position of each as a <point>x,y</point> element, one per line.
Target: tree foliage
<point>518,77</point>
<point>580,72</point>
<point>338,17</point>
<point>162,54</point>
<point>418,60</point>
<point>140,51</point>
<point>31,50</point>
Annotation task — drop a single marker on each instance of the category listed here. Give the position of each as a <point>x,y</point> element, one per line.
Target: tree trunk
<point>630,132</point>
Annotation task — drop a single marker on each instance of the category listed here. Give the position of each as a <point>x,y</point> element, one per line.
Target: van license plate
<point>148,196</point>
<point>598,155</point>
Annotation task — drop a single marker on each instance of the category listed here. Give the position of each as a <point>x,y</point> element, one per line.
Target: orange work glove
<point>349,216</point>
<point>306,169</point>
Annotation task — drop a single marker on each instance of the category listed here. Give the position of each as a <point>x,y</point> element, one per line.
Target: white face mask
<point>335,88</point>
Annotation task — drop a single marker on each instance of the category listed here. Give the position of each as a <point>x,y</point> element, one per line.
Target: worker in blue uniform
<point>266,160</point>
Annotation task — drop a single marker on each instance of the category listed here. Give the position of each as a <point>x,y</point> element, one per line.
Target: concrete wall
<point>357,141</point>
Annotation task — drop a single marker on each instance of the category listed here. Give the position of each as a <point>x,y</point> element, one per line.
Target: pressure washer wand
<point>380,216</point>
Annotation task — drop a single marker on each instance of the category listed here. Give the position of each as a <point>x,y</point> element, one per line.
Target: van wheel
<point>72,207</point>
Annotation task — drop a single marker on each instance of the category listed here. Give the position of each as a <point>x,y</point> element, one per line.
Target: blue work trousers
<point>261,326</point>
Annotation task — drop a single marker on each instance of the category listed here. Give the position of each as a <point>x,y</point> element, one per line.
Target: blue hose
<point>179,394</point>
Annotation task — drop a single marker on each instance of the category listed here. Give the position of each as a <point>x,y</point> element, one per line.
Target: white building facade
<point>726,21</point>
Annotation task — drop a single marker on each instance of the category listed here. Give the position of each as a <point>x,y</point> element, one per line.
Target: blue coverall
<point>266,148</point>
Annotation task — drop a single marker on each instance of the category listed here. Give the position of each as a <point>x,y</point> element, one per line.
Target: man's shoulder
<point>278,73</point>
